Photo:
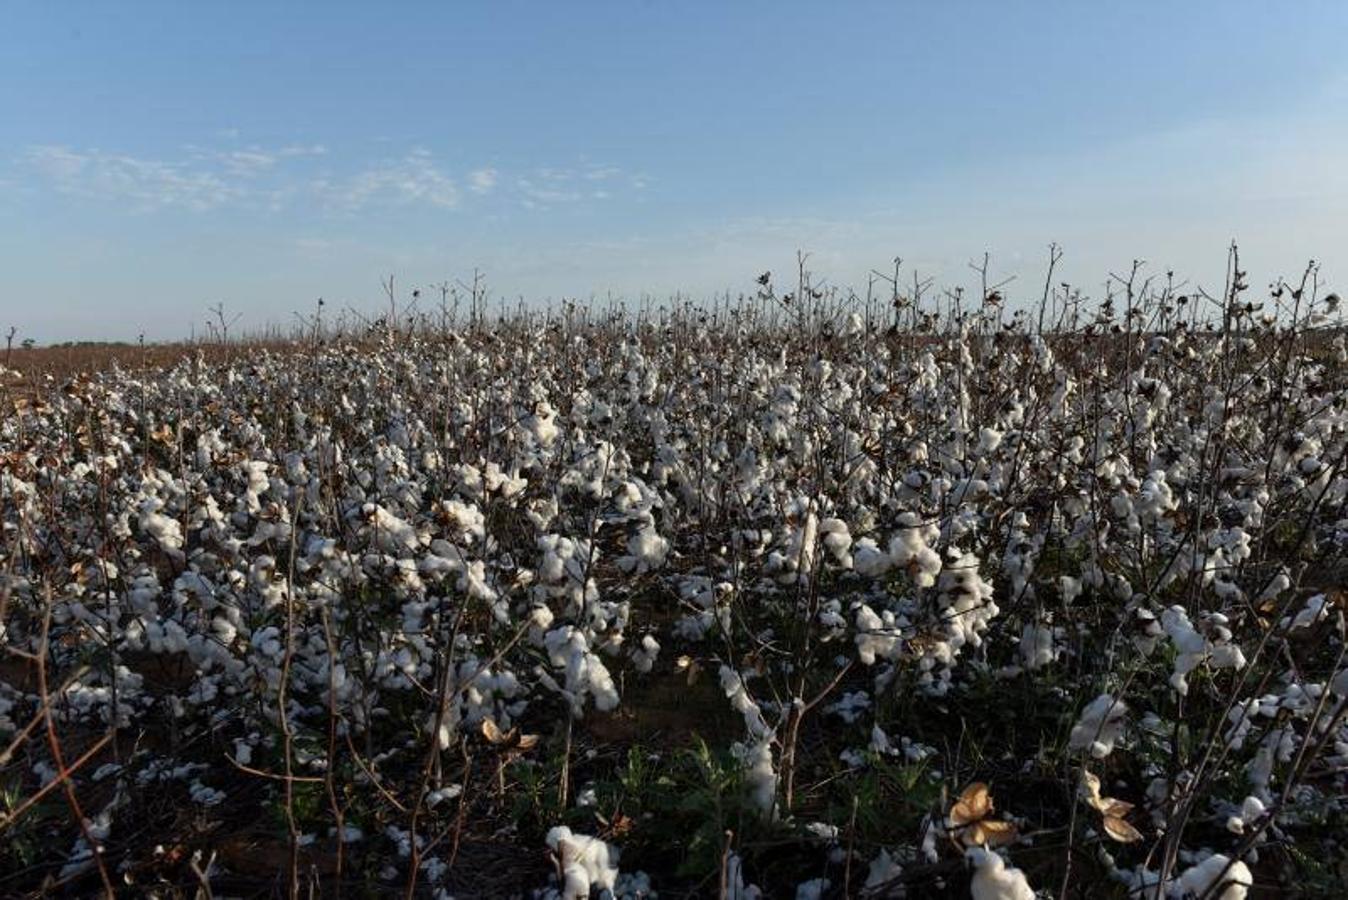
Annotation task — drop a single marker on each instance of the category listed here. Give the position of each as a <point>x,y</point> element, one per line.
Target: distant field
<point>784,598</point>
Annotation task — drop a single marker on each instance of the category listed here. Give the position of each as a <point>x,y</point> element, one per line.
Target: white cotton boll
<point>967,605</point>
<point>436,797</point>
<point>569,650</point>
<point>1250,812</point>
<point>165,530</point>
<point>733,686</point>
<point>989,439</point>
<point>870,560</point>
<point>1069,588</point>
<point>255,471</point>
<point>1190,647</point>
<point>837,540</point>
<point>882,870</point>
<point>1316,609</point>
<point>876,637</point>
<point>735,886</point>
<point>1339,685</point>
<point>994,880</point>
<point>813,889</point>
<point>910,549</point>
<point>760,775</point>
<point>1038,645</point>
<point>880,740</point>
<point>1280,583</point>
<point>644,655</point>
<point>1212,872</point>
<point>646,551</point>
<point>1100,727</point>
<point>851,705</point>
<point>392,533</point>
<point>587,863</point>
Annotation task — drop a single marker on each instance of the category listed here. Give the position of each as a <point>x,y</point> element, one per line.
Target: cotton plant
<point>518,522</point>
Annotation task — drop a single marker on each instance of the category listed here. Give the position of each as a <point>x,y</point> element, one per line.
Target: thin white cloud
<point>552,186</point>
<point>279,178</point>
<point>482,181</point>
<point>413,179</point>
<point>144,183</point>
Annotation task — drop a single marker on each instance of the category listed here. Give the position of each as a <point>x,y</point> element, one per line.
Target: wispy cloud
<point>413,179</point>
<point>277,178</point>
<point>547,187</point>
<point>144,183</point>
<point>482,181</point>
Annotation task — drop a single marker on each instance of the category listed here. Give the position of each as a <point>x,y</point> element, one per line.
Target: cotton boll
<point>759,774</point>
<point>391,533</point>
<point>994,880</point>
<point>568,650</point>
<point>1251,810</point>
<point>869,559</point>
<point>1339,685</point>
<point>877,636</point>
<point>736,889</point>
<point>909,549</point>
<point>733,686</point>
<point>1193,648</point>
<point>643,656</point>
<point>814,889</point>
<point>1315,609</point>
<point>587,863</point>
<point>646,551</point>
<point>837,541</point>
<point>989,439</point>
<point>882,870</point>
<point>1215,871</point>
<point>1038,645</point>
<point>1100,727</point>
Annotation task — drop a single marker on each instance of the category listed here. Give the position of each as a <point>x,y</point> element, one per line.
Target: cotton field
<point>801,595</point>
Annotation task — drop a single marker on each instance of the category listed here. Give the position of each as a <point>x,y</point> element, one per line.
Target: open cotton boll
<point>1100,727</point>
<point>1315,609</point>
<point>1250,812</point>
<point>1217,870</point>
<point>587,863</point>
<point>966,601</point>
<point>391,533</point>
<point>760,776</point>
<point>742,703</point>
<point>910,549</point>
<point>644,654</point>
<point>994,880</point>
<point>814,889</point>
<point>878,637</point>
<point>882,870</point>
<point>736,889</point>
<point>569,650</point>
<point>837,540</point>
<point>1339,685</point>
<point>1038,645</point>
<point>869,560</point>
<point>1192,648</point>
<point>646,551</point>
<point>164,529</point>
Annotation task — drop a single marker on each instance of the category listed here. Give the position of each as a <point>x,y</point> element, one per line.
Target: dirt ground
<point>28,372</point>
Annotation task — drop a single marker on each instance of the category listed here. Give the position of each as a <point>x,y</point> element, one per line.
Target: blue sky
<point>159,158</point>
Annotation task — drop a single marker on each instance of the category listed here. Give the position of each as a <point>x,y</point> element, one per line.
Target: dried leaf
<point>992,833</point>
<point>974,804</point>
<point>492,732</point>
<point>1120,830</point>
